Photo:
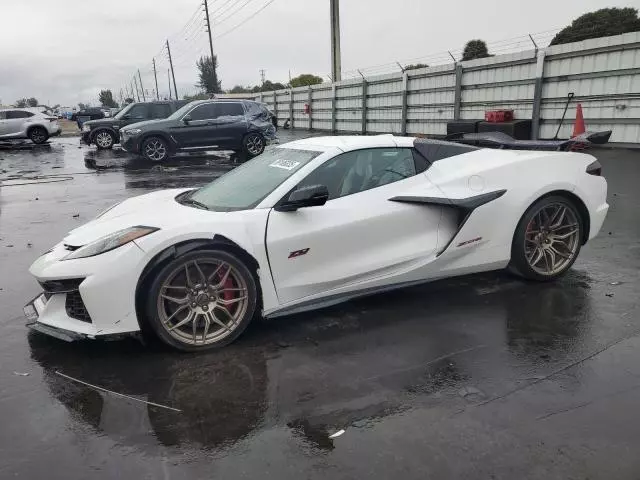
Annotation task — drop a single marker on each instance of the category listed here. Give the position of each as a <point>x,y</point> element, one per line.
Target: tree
<point>197,96</point>
<point>106,99</point>
<point>601,23</point>
<point>128,100</point>
<point>240,89</point>
<point>268,86</point>
<point>21,102</point>
<point>415,66</point>
<point>475,49</point>
<point>208,75</point>
<point>305,80</point>
<point>32,102</point>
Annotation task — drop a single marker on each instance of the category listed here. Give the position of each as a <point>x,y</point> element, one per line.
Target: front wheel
<point>548,239</point>
<point>202,300</point>
<point>254,144</point>
<point>38,135</point>
<point>155,149</point>
<point>104,140</point>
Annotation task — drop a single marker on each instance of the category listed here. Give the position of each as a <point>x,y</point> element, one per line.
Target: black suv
<point>238,125</point>
<point>104,133</point>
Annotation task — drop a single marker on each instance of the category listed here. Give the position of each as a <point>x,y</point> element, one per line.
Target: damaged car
<point>241,126</point>
<point>312,223</point>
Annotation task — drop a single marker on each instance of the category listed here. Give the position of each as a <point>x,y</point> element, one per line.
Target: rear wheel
<point>104,139</point>
<point>155,149</point>
<point>254,144</point>
<point>202,300</point>
<point>38,135</point>
<point>548,239</point>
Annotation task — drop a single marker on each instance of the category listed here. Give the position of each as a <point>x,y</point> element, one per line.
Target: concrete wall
<point>603,73</point>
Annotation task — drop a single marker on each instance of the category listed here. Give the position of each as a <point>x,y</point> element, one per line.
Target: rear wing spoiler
<point>503,141</point>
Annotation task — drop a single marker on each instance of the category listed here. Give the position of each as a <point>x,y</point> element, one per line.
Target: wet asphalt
<point>483,376</point>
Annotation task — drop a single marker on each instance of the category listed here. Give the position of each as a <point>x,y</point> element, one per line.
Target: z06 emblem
<point>298,253</point>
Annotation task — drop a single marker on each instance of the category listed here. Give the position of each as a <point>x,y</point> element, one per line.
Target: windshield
<point>122,112</point>
<point>246,186</point>
<point>181,111</point>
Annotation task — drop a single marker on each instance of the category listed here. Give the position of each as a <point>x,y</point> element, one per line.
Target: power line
<point>222,20</point>
<point>245,20</point>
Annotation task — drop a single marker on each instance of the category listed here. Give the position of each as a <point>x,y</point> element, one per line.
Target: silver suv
<point>27,123</point>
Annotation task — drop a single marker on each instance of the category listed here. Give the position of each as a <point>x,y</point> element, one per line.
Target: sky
<point>66,51</point>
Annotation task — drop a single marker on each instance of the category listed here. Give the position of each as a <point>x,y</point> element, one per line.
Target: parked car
<point>237,125</point>
<point>104,133</point>
<point>22,123</point>
<point>312,223</point>
<point>86,114</point>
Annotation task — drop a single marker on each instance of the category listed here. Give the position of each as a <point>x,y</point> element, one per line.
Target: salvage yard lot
<point>485,376</point>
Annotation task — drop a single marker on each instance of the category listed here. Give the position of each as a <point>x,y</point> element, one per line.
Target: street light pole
<point>175,87</point>
<point>155,75</point>
<point>213,64</point>
<point>144,99</point>
<point>336,63</point>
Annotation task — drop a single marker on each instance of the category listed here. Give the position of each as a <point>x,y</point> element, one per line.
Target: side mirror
<point>309,196</point>
<point>186,119</point>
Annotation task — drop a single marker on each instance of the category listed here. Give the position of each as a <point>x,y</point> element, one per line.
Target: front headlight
<point>133,131</point>
<point>111,242</point>
<point>86,128</point>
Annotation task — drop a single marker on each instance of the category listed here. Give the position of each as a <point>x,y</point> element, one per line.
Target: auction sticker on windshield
<point>285,164</point>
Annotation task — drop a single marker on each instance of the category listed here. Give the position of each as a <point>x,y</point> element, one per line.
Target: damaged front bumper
<point>34,309</point>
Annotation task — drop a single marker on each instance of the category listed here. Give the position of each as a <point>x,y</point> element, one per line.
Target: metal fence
<point>602,73</point>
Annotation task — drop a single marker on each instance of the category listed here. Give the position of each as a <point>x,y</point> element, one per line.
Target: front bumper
<point>103,299</point>
<point>130,144</point>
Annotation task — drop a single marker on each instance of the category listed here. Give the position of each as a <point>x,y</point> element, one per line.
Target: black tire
<point>104,139</point>
<point>520,265</point>
<point>38,135</point>
<point>154,306</point>
<point>253,144</point>
<point>155,149</point>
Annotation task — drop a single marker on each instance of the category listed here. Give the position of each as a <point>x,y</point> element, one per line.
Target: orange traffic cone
<point>578,127</point>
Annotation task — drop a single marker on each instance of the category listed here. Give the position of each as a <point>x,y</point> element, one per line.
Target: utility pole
<point>173,75</point>
<point>336,63</point>
<point>135,82</point>
<point>144,99</point>
<point>262,73</point>
<point>213,64</point>
<point>121,97</point>
<point>169,80</point>
<point>155,75</point>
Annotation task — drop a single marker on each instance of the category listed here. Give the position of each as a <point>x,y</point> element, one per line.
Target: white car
<point>16,123</point>
<point>312,223</point>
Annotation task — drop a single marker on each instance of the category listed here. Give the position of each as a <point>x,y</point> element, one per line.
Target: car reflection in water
<point>444,346</point>
<point>183,170</point>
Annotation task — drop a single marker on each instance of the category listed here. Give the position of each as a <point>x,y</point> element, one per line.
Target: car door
<point>359,234</point>
<point>196,130</point>
<point>13,122</point>
<point>4,125</point>
<point>137,113</point>
<point>159,111</point>
<point>230,124</point>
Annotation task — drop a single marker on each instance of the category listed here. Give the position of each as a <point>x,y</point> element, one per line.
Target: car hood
<point>157,209</point>
<point>103,122</point>
<point>146,123</point>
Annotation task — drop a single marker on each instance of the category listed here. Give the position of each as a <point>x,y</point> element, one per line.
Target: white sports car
<point>312,223</point>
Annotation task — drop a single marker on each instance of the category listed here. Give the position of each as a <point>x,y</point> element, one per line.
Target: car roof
<point>351,142</point>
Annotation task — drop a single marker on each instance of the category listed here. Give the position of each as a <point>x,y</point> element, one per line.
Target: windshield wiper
<point>195,203</point>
